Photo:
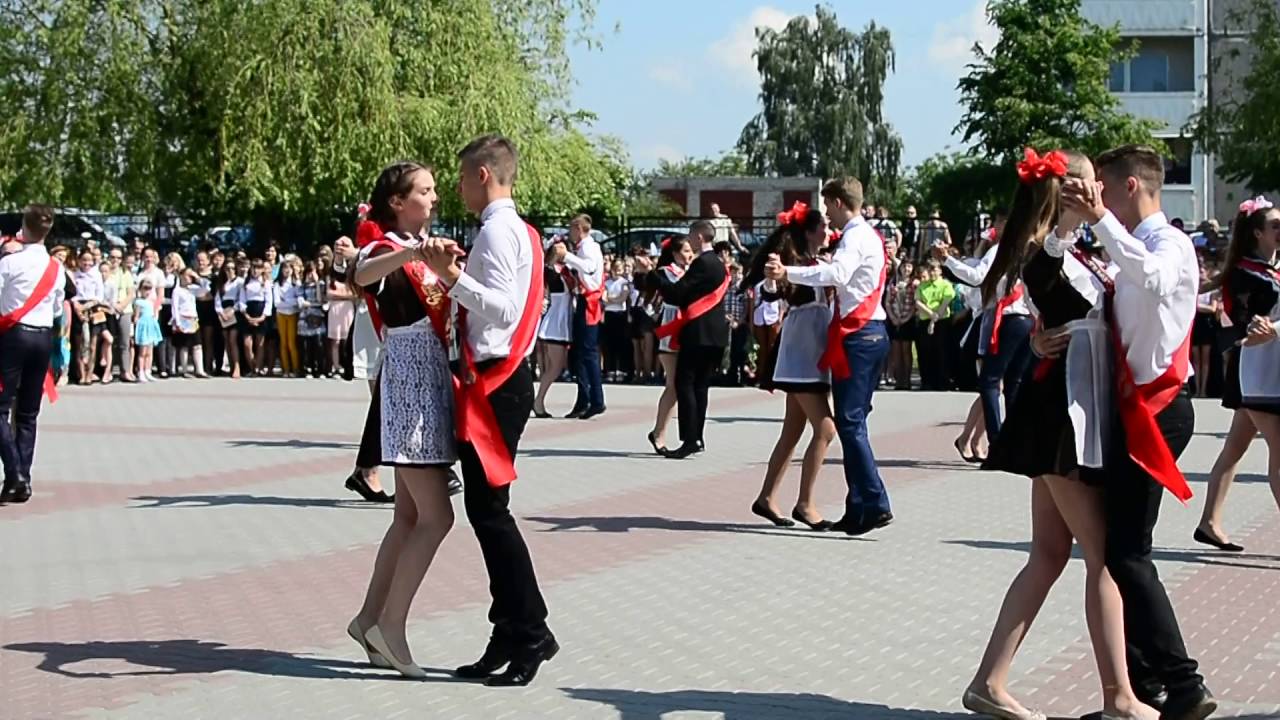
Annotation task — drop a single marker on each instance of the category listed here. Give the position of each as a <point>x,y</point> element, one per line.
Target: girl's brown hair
<point>1244,243</point>
<point>1032,214</point>
<point>395,180</point>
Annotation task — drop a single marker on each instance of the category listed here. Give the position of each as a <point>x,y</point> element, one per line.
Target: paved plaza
<point>190,553</point>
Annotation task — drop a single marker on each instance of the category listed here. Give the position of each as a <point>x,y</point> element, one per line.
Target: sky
<point>675,78</point>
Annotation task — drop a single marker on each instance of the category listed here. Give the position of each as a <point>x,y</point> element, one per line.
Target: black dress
<point>1037,438</point>
<point>1245,295</point>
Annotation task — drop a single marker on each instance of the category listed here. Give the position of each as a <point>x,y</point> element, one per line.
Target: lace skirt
<point>417,398</point>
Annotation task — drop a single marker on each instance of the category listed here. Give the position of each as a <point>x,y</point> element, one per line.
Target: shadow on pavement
<point>191,657</point>
<point>584,453</point>
<point>622,524</point>
<point>1207,557</point>
<point>641,705</point>
<point>204,501</point>
<point>730,420</point>
<point>297,444</point>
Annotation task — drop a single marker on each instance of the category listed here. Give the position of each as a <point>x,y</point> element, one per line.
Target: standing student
<point>93,310</point>
<point>500,298</point>
<point>676,256</point>
<point>255,306</point>
<point>555,332</point>
<point>856,347</point>
<point>185,319</point>
<point>226,296</point>
<point>586,263</point>
<point>312,324</point>
<point>31,285</point>
<point>1154,306</point>
<point>933,308</point>
<point>617,295</point>
<point>286,307</point>
<point>700,334</point>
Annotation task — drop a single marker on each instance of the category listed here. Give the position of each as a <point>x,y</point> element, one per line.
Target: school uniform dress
<point>792,362</point>
<point>415,385</point>
<point>225,303</point>
<point>556,326</point>
<point>257,300</point>
<point>24,360</point>
<point>1062,420</point>
<point>669,274</point>
<point>206,310</point>
<point>642,323</point>
<point>1253,373</point>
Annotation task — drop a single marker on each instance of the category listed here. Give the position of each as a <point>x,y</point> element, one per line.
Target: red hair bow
<point>796,214</point>
<point>1035,168</point>
<point>368,232</point>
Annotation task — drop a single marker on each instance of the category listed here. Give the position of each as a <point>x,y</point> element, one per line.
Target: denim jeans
<point>587,340</point>
<point>1009,365</point>
<point>865,350</point>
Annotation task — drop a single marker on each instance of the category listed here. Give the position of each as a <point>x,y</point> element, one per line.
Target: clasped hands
<point>1083,199</point>
<point>1260,331</point>
<point>441,255</point>
<point>774,269</point>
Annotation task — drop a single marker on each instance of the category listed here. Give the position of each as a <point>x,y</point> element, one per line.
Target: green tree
<point>959,185</point>
<point>822,92</point>
<point>284,110</point>
<point>1045,84</point>
<point>1243,128</point>
<point>730,164</point>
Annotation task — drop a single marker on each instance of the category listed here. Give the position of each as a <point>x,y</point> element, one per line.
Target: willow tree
<point>822,92</point>
<point>284,108</point>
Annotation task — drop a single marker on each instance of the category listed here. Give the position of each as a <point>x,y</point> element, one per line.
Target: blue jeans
<point>587,339</point>
<point>865,350</point>
<point>1009,365</point>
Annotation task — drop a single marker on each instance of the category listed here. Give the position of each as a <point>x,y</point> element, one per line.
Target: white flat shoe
<point>982,705</point>
<point>374,636</point>
<point>375,657</point>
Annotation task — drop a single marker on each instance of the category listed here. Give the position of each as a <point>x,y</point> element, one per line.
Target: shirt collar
<point>1150,224</point>
<point>495,206</point>
<point>854,222</point>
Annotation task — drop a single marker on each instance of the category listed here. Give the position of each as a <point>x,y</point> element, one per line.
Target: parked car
<point>550,234</point>
<point>68,229</point>
<point>650,238</point>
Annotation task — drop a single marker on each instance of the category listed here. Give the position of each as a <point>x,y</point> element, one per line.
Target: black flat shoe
<point>653,440</point>
<point>357,484</point>
<point>575,414</point>
<point>875,522</point>
<point>679,453</point>
<point>16,492</point>
<point>771,516</point>
<point>592,412</point>
<point>820,526</point>
<point>544,415</point>
<point>1201,536</point>
<point>960,449</point>
<point>1195,704</point>
<point>523,669</point>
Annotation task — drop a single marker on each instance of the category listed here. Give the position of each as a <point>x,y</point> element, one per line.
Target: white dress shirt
<point>1156,287</point>
<point>494,285</point>
<point>229,293</point>
<point>256,291</point>
<point>89,286</point>
<point>286,298</point>
<point>587,262</point>
<point>20,272</point>
<point>976,274</point>
<point>618,288</point>
<point>854,270</point>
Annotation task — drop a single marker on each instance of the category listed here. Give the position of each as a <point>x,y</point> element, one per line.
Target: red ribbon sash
<point>993,347</point>
<point>1139,404</point>
<point>42,290</point>
<point>417,272</point>
<point>834,358</point>
<point>696,309</point>
<point>476,423</point>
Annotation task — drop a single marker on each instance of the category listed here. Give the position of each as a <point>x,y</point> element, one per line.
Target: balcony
<point>1154,17</point>
<point>1171,110</point>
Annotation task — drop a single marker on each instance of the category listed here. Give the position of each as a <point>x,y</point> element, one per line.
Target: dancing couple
<point>1099,423</point>
<point>421,296</point>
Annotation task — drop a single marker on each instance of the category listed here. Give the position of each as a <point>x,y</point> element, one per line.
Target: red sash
<point>834,358</point>
<point>417,271</point>
<point>1139,404</point>
<point>42,290</point>
<point>696,309</point>
<point>476,423</point>
<point>993,347</point>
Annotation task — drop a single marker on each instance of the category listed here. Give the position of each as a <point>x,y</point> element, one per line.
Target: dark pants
<point>1009,365</point>
<point>932,349</point>
<point>1156,653</point>
<point>586,340</point>
<point>738,340</point>
<point>865,351</point>
<point>617,343</point>
<point>695,366</point>
<point>518,613</point>
<point>24,360</point>
<point>370,454</point>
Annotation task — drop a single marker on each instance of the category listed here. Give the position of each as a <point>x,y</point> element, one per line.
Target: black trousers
<point>518,612</point>
<point>24,360</point>
<point>738,339</point>
<point>932,349</point>
<point>1156,653</point>
<point>617,343</point>
<point>695,366</point>
<point>370,454</point>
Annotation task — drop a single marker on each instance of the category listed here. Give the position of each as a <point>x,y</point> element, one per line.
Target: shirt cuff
<point>1057,246</point>
<point>805,275</point>
<point>467,290</point>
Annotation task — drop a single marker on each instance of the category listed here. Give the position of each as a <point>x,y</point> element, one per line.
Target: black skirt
<point>1203,330</point>
<point>253,308</point>
<point>1037,437</point>
<point>206,313</point>
<point>641,323</point>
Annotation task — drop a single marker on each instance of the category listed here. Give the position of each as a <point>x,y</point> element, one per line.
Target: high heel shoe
<point>1201,536</point>
<point>983,705</point>
<point>819,526</point>
<point>375,657</point>
<point>373,636</point>
<point>758,509</point>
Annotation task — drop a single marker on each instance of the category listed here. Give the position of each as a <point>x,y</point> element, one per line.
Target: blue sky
<point>677,77</point>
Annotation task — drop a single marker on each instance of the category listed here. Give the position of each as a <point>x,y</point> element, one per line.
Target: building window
<point>1177,165</point>
<point>1119,73</point>
<point>1149,72</point>
<point>1160,65</point>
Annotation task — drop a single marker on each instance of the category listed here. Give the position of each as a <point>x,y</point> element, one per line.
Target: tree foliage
<point>1045,84</point>
<point>822,92</point>
<point>959,185</point>
<point>1244,129</point>
<point>285,107</point>
<point>729,164</point>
